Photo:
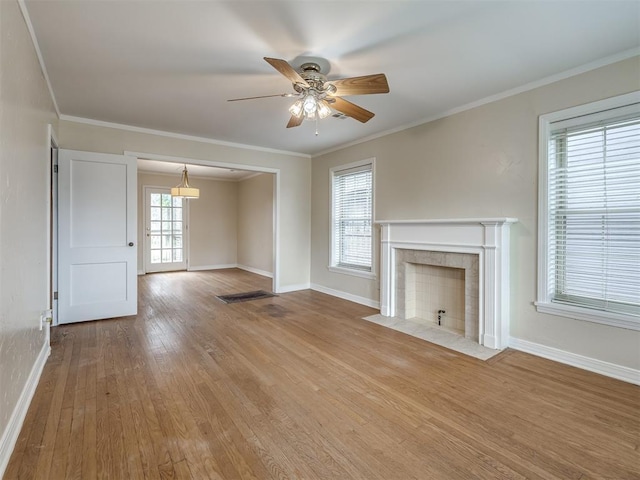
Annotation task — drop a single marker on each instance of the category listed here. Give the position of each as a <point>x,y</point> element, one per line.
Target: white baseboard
<point>257,271</point>
<point>11,433</point>
<point>211,267</point>
<point>293,288</point>
<point>612,370</point>
<point>346,296</point>
<point>141,272</point>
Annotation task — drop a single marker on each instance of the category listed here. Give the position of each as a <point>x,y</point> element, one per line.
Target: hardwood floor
<point>298,386</point>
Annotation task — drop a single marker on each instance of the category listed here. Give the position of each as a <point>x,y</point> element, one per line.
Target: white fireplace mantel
<point>486,237</point>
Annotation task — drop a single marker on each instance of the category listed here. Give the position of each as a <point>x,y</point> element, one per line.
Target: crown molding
<point>603,62</point>
<point>180,136</point>
<point>34,40</point>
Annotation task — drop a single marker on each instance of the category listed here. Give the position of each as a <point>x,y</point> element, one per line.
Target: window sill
<point>620,320</point>
<point>349,271</point>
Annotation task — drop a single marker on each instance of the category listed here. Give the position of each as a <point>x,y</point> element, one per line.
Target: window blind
<point>594,212</point>
<point>352,218</point>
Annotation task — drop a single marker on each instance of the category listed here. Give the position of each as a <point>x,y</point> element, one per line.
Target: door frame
<point>52,229</point>
<point>236,166</point>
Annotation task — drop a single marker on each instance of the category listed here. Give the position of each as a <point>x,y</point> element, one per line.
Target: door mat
<point>245,297</point>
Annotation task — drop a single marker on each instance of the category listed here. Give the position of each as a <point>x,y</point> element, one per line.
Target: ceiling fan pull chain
<point>316,124</point>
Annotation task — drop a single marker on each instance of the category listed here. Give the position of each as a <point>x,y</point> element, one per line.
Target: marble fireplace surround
<point>486,238</point>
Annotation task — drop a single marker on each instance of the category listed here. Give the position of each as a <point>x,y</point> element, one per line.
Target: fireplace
<point>439,288</point>
<point>477,248</point>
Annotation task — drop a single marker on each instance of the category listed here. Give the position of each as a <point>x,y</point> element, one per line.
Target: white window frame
<point>544,302</point>
<point>333,261</point>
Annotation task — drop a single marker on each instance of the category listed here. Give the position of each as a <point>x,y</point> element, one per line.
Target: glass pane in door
<point>165,228</point>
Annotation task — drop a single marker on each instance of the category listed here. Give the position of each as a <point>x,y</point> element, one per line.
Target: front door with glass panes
<point>165,231</point>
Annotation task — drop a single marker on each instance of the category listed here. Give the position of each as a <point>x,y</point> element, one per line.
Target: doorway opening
<point>233,224</point>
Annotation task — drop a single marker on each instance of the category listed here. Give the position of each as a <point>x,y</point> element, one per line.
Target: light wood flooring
<point>300,387</point>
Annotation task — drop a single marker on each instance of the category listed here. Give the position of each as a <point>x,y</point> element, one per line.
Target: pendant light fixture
<point>184,190</point>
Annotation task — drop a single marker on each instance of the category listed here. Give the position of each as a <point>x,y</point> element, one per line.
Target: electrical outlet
<point>46,317</point>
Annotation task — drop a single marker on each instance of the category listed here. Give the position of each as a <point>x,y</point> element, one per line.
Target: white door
<point>97,270</point>
<point>165,228</point>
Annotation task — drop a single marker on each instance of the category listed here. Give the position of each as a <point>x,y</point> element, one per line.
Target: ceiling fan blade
<point>361,85</point>
<point>287,70</point>
<point>352,110</point>
<point>295,121</point>
<point>264,96</point>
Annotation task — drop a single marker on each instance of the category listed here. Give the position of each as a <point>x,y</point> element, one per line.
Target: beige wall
<point>294,173</point>
<point>25,110</point>
<point>255,223</point>
<point>212,220</point>
<point>480,163</point>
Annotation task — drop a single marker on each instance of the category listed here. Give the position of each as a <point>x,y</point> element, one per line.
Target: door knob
<point>131,244</point>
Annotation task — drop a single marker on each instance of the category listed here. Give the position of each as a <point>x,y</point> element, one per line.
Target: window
<point>352,218</point>
<point>589,218</point>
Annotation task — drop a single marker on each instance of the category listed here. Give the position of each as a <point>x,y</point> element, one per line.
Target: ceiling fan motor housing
<point>311,73</point>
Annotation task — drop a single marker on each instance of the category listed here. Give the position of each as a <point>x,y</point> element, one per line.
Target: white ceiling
<point>171,65</point>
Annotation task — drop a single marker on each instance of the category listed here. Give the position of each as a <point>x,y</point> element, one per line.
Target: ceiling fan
<point>316,95</point>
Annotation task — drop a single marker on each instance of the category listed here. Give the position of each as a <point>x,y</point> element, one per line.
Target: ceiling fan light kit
<point>317,96</point>
<point>309,107</point>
